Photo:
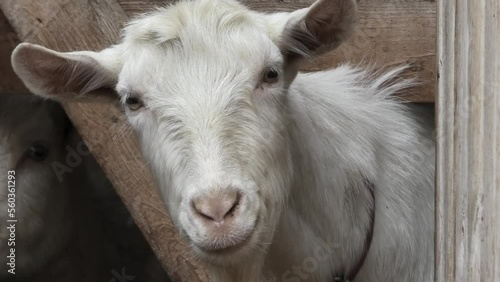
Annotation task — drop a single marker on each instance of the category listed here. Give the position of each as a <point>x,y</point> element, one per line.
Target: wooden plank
<point>390,32</point>
<point>468,143</point>
<point>9,82</point>
<point>66,25</point>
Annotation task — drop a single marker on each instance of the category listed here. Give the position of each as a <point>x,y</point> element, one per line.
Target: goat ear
<point>59,76</point>
<point>319,28</point>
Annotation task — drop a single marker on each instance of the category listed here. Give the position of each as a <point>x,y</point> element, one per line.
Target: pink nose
<point>217,207</point>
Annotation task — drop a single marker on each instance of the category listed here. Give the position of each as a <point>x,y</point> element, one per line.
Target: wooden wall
<point>468,142</point>
<point>9,82</point>
<point>390,32</point>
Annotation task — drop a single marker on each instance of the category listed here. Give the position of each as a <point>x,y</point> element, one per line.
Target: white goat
<point>268,173</point>
<point>71,227</point>
<point>28,146</point>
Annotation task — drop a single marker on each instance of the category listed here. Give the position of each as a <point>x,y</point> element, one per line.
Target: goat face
<point>209,106</point>
<point>31,140</point>
<point>204,85</point>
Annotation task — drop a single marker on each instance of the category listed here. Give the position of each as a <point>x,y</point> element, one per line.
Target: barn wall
<point>468,145</point>
<point>389,33</point>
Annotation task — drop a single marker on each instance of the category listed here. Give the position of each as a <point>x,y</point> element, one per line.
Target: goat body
<point>266,171</point>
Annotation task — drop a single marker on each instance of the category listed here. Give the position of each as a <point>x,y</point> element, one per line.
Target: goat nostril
<point>233,208</point>
<point>199,212</point>
<point>207,217</point>
<point>217,207</point>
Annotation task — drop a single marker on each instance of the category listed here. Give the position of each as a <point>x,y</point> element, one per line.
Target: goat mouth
<point>228,250</point>
<point>225,250</point>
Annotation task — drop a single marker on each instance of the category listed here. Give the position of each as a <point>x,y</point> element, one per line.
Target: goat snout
<point>222,220</point>
<point>217,209</point>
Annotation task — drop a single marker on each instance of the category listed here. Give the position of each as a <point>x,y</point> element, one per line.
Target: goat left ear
<point>319,28</point>
<point>59,76</point>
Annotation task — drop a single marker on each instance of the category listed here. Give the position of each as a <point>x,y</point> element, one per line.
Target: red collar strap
<point>351,275</point>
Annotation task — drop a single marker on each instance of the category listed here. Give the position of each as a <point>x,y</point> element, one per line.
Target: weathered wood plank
<point>390,32</point>
<point>9,82</point>
<point>66,25</point>
<point>468,158</point>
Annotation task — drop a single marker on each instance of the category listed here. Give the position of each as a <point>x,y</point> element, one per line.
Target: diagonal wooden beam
<point>67,25</point>
<point>9,82</point>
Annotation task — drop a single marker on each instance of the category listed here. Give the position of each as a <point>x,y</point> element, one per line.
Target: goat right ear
<point>60,76</point>
<point>315,30</point>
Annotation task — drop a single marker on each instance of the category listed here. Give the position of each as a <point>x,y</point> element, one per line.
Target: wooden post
<point>68,25</point>
<point>468,141</point>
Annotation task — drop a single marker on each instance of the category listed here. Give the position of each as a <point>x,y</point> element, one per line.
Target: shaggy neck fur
<point>345,128</point>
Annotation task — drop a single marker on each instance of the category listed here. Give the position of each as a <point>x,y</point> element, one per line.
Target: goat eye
<point>133,103</point>
<point>271,76</point>
<point>38,152</point>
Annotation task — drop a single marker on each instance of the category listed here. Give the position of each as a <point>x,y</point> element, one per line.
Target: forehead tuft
<point>189,18</point>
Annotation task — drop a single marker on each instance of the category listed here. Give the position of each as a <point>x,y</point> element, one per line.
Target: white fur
<point>43,222</point>
<point>299,150</point>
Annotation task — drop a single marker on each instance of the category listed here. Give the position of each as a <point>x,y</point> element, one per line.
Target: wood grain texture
<point>389,33</point>
<point>67,25</point>
<point>9,82</point>
<point>468,149</point>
